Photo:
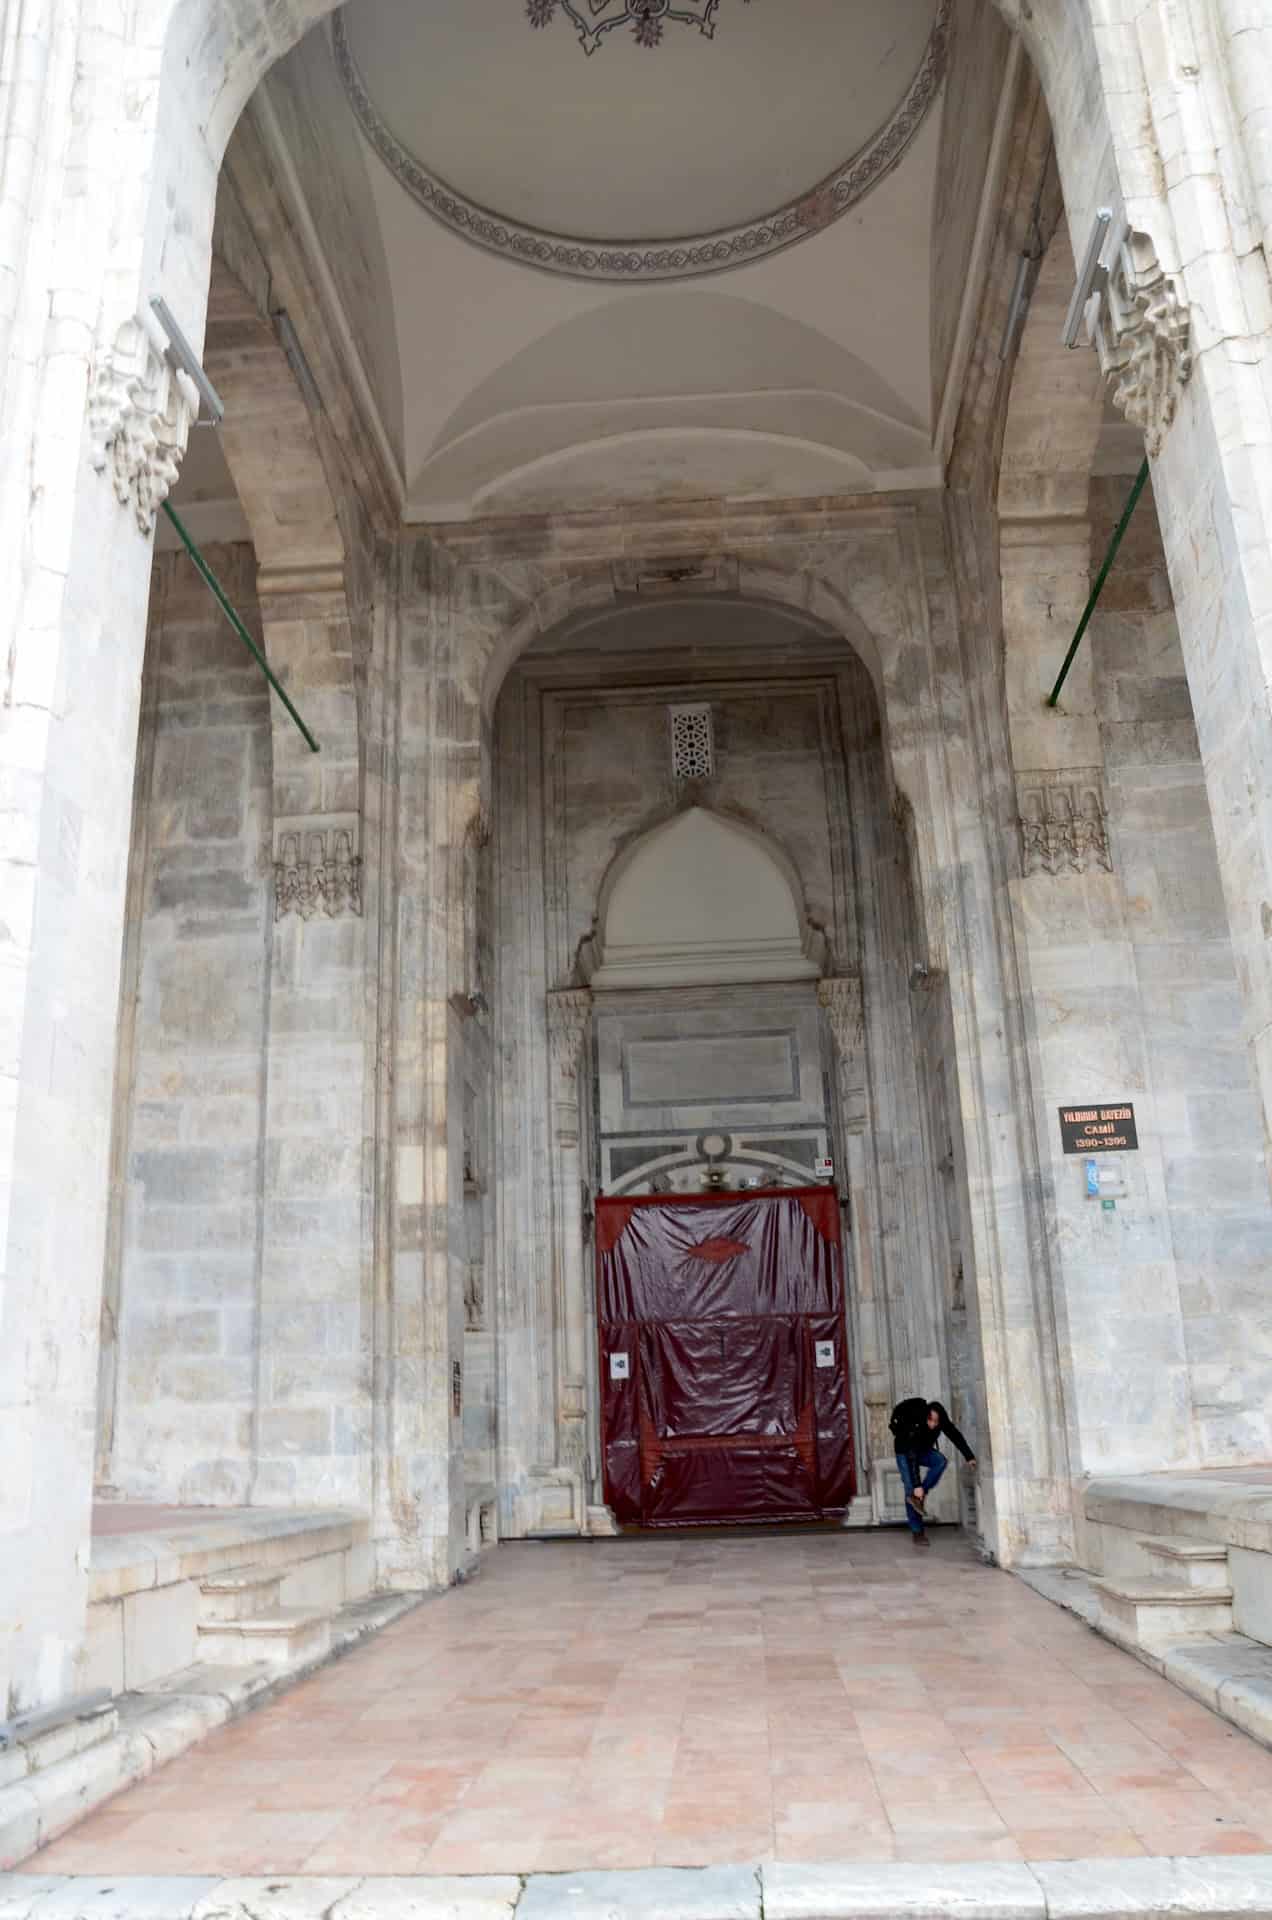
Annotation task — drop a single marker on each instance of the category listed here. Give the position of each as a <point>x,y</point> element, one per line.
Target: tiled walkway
<point>692,1701</point>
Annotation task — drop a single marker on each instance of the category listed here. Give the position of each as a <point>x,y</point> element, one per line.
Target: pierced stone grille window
<point>692,750</point>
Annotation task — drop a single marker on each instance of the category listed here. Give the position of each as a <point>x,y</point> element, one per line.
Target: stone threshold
<point>1227,1672</point>
<point>153,1725</point>
<point>1217,1887</point>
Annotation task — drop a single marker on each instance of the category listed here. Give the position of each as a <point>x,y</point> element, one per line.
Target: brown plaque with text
<point>1099,1129</point>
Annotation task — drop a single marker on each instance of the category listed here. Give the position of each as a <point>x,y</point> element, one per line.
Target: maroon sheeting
<point>717,1303</point>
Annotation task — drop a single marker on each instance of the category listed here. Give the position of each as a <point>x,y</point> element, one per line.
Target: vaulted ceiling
<point>727,264</point>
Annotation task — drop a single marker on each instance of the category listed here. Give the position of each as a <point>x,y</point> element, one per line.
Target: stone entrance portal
<point>721,923</point>
<point>724,1367</point>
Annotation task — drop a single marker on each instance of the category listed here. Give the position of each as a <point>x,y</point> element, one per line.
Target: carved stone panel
<point>317,867</point>
<point>1063,822</point>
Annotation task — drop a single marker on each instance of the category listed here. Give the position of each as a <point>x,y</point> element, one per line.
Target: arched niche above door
<point>701,901</point>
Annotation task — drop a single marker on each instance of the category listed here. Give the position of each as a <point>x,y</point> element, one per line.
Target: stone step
<point>281,1638</point>
<point>240,1593</point>
<point>1201,1564</point>
<point>1152,1610</point>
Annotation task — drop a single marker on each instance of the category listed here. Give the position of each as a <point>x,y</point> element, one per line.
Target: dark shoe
<point>920,1540</point>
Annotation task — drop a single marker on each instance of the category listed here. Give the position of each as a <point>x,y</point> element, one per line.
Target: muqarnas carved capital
<point>841,998</point>
<point>317,869</point>
<point>1142,335</point>
<point>474,1297</point>
<point>140,413</point>
<point>1063,822</point>
<point>569,1019</point>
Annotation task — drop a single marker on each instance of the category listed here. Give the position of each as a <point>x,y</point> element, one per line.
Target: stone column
<point>569,1025</point>
<point>436,769</point>
<point>75,558</point>
<point>841,999</point>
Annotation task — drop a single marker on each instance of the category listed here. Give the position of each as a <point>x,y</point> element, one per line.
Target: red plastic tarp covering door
<point>724,1371</point>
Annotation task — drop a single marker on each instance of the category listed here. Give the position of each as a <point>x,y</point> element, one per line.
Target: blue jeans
<point>930,1466</point>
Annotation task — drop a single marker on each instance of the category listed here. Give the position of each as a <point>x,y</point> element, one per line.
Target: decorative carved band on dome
<point>635,260</point>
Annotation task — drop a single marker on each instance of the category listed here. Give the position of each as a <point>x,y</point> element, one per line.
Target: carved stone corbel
<point>317,867</point>
<point>140,413</point>
<point>1142,335</point>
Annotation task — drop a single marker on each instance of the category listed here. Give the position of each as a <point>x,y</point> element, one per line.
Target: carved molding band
<point>569,1020</point>
<point>140,413</point>
<point>1141,330</point>
<point>618,259</point>
<point>1063,822</point>
<point>317,869</point>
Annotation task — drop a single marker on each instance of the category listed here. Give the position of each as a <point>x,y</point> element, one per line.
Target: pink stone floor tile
<point>1078,1843</point>
<point>926,1848</point>
<point>713,1846</point>
<point>697,1700</point>
<point>1189,1841</point>
<point>873,1843</point>
<point>90,1846</point>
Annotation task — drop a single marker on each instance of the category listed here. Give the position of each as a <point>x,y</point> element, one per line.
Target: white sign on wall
<point>620,1366</point>
<point>824,1350</point>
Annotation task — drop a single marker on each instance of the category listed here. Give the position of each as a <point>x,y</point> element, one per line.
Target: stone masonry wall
<point>1196,1061</point>
<point>182,1301</point>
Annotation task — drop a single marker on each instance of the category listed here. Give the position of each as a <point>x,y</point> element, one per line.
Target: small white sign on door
<point>620,1366</point>
<point>824,1351</point>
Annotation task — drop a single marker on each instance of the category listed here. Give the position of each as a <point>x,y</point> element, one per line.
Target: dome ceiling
<point>821,369</point>
<point>639,162</point>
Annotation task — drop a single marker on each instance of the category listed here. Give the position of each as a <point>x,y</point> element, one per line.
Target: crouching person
<point>917,1427</point>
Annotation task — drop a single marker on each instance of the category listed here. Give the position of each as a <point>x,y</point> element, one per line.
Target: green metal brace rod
<point>218,594</point>
<point>1100,578</point>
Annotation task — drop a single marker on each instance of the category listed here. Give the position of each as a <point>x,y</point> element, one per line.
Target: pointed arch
<point>701,900</point>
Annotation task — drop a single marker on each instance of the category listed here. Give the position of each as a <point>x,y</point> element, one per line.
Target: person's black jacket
<point>911,1433</point>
